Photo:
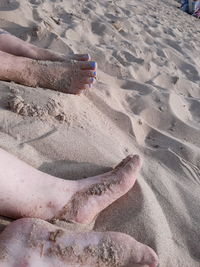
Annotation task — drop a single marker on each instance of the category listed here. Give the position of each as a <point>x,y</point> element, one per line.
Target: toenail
<point>92,80</point>
<point>93,64</point>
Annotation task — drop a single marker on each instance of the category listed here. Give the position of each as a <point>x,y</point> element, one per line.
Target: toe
<point>84,86</point>
<point>124,162</point>
<point>129,251</point>
<point>87,80</point>
<point>136,252</point>
<point>81,57</point>
<point>88,73</point>
<point>85,83</point>
<point>89,65</point>
<point>130,160</point>
<point>150,258</point>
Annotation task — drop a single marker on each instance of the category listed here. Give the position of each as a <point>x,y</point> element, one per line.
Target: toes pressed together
<point>69,77</point>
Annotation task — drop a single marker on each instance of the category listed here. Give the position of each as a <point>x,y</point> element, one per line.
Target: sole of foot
<point>33,242</point>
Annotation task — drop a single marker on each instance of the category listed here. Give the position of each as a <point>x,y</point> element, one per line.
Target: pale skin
<point>26,192</point>
<point>33,242</point>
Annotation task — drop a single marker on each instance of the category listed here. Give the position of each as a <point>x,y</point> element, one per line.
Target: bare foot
<point>33,242</point>
<point>50,198</point>
<point>68,77</point>
<point>96,193</point>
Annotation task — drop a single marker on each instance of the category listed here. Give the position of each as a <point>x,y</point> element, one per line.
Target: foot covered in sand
<point>72,75</point>
<point>94,194</point>
<point>50,198</point>
<point>69,76</point>
<point>34,242</point>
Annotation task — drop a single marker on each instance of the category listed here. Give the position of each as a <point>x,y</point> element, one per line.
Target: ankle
<point>18,69</point>
<point>31,72</point>
<point>58,193</point>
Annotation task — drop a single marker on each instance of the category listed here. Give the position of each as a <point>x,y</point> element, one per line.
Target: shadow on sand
<point>72,170</point>
<point>8,5</point>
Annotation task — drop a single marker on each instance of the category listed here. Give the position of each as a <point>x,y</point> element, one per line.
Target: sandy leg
<point>68,77</point>
<point>49,198</point>
<point>33,242</point>
<point>96,193</point>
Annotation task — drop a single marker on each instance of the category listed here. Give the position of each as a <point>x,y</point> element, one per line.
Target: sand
<point>146,101</point>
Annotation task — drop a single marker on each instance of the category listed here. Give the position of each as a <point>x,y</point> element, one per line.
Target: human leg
<point>17,47</point>
<point>68,77</point>
<point>27,192</point>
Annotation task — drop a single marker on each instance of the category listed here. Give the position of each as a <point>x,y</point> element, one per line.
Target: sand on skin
<point>146,101</point>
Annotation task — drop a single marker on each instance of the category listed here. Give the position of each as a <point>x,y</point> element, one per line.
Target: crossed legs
<point>26,192</point>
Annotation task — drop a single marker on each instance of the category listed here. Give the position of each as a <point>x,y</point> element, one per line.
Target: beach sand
<point>146,100</point>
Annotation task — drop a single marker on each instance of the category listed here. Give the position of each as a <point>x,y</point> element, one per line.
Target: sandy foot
<point>96,193</point>
<point>68,77</point>
<point>50,198</point>
<point>33,242</point>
